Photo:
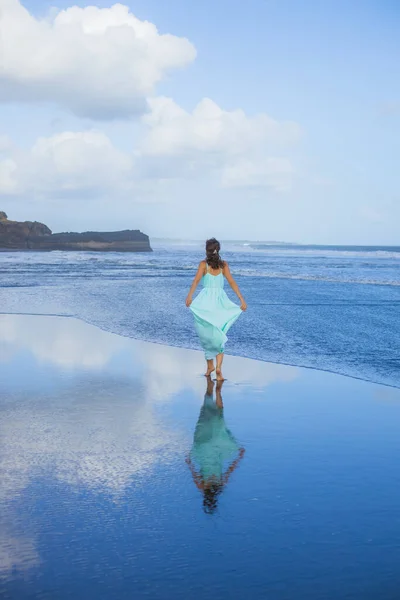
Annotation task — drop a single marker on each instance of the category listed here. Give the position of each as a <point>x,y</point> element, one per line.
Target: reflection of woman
<point>213,446</point>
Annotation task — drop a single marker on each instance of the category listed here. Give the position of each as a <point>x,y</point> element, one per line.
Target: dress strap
<point>206,267</point>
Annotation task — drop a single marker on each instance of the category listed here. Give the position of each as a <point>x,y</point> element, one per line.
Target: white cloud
<point>238,149</point>
<point>276,173</point>
<point>66,163</point>
<point>5,144</point>
<point>100,63</point>
<point>173,131</point>
<point>230,148</point>
<point>81,160</point>
<point>8,167</point>
<point>8,181</point>
<point>106,63</point>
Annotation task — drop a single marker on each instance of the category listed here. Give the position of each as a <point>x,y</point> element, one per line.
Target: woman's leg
<point>210,367</point>
<point>220,358</point>
<point>219,402</point>
<point>210,387</point>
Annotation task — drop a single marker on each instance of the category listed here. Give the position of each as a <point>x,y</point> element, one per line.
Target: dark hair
<point>212,254</point>
<point>210,497</point>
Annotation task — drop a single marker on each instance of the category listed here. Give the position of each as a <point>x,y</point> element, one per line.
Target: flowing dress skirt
<point>214,314</point>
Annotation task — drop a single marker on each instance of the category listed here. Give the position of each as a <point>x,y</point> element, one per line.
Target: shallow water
<point>332,308</point>
<point>97,499</point>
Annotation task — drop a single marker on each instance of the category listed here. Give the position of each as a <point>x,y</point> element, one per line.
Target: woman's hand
<point>199,275</point>
<point>243,305</point>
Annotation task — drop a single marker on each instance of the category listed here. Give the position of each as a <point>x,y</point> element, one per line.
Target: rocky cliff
<point>31,235</point>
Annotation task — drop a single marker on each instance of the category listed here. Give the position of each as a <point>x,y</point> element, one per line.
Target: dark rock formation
<point>15,235</point>
<point>31,235</point>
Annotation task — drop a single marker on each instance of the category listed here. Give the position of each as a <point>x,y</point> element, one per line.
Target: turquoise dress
<point>214,446</point>
<point>214,314</point>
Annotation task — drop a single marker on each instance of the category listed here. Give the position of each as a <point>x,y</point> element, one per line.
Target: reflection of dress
<point>214,314</point>
<point>213,443</point>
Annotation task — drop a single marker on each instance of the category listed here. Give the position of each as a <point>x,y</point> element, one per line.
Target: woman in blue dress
<point>214,314</point>
<point>215,453</point>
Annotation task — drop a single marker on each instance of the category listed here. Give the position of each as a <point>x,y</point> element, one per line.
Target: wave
<point>305,277</point>
<point>131,272</point>
<point>315,250</point>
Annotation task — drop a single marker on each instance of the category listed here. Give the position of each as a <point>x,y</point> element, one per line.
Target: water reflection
<point>215,453</point>
<point>31,342</point>
<point>86,410</point>
<point>94,493</point>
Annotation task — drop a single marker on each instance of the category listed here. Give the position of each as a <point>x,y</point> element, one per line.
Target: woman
<point>213,312</point>
<point>214,447</point>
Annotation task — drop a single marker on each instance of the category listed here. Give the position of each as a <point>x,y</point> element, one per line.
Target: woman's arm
<point>196,477</point>
<point>233,465</point>
<point>196,280</point>
<point>234,286</point>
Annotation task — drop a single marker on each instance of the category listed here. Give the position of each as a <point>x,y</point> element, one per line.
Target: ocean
<point>334,308</point>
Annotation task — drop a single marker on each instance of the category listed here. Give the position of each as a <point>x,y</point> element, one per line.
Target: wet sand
<point>99,496</point>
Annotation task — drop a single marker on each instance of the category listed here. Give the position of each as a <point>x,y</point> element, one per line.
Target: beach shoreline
<point>228,352</point>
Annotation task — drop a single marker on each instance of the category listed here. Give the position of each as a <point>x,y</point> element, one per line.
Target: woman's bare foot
<point>219,360</point>
<point>220,377</point>
<point>210,367</point>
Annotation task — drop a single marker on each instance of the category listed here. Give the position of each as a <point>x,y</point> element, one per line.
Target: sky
<point>263,120</point>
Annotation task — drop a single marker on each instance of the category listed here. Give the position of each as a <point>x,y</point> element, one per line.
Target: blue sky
<point>330,68</point>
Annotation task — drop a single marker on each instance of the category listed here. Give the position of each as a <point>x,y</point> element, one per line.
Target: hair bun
<point>212,254</point>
